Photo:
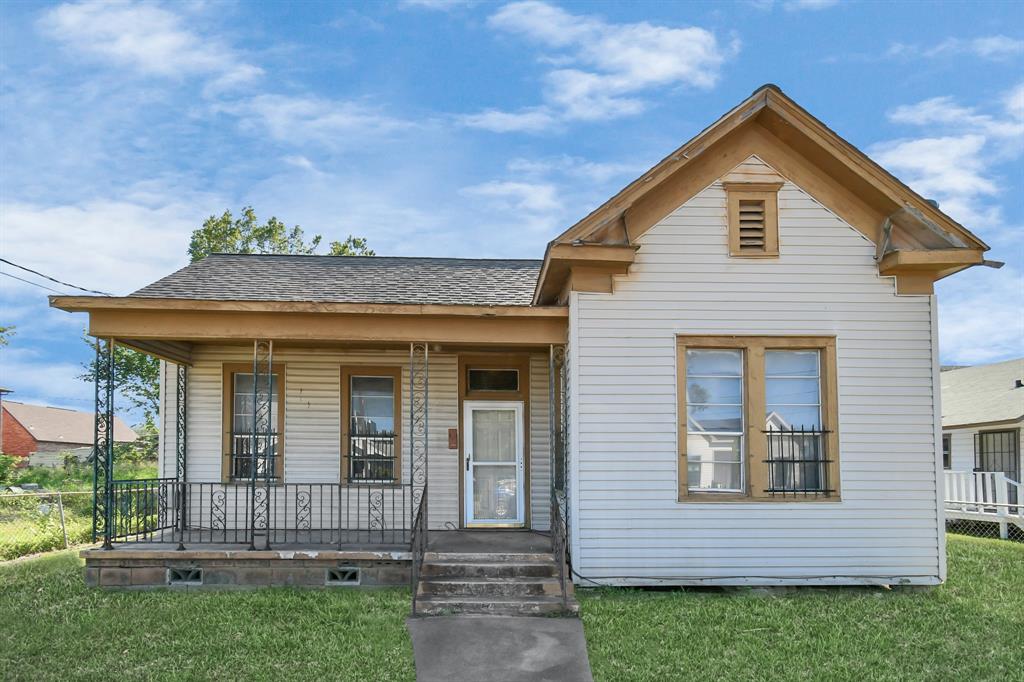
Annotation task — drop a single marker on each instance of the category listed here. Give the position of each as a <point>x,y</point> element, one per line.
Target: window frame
<point>754,410</point>
<point>741,433</point>
<point>392,372</point>
<point>229,370</point>
<point>768,192</point>
<point>947,451</point>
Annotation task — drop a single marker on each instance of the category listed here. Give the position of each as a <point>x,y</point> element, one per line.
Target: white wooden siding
<point>540,438</point>
<point>628,526</point>
<point>312,417</point>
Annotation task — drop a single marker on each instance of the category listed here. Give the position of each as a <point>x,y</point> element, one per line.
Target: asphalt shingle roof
<point>984,393</point>
<point>59,425</point>
<point>351,279</point>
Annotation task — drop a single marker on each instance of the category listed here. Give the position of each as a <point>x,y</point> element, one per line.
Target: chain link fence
<point>43,521</point>
<point>985,529</point>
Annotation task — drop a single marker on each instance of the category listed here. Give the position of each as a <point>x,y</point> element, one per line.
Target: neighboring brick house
<point>28,429</point>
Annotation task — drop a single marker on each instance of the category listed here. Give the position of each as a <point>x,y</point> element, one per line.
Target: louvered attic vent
<point>752,237</point>
<point>753,219</point>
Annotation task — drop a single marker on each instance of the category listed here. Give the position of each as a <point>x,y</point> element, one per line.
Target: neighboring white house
<point>982,415</point>
<point>982,418</point>
<point>728,373</point>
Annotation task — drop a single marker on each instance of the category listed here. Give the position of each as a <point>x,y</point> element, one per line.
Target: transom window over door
<point>371,425</point>
<point>757,418</point>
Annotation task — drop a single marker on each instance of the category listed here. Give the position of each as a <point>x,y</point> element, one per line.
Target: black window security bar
<point>243,459</point>
<point>797,462</point>
<point>371,458</point>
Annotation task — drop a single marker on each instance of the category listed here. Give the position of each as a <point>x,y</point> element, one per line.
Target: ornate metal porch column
<point>180,454</point>
<point>262,444</point>
<point>419,364</point>
<point>557,416</point>
<point>103,444</point>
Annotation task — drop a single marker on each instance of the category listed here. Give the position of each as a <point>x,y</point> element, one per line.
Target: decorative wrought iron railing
<point>142,507</point>
<point>797,462</point>
<point>418,545</point>
<point>371,458</point>
<point>167,511</point>
<point>558,544</point>
<point>244,457</point>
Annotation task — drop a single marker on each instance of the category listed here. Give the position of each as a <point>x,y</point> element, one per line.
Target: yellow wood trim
<point>908,260</point>
<point>521,362</point>
<point>734,186</point>
<point>209,326</point>
<point>584,262</point>
<point>347,372</point>
<point>754,348</point>
<point>770,197</point>
<point>915,284</point>
<point>88,303</point>
<point>228,370</point>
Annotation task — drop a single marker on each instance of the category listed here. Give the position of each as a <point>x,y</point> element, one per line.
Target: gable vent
<point>752,225</point>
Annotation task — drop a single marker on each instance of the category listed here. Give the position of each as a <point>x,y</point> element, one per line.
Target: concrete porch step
<point>489,569</point>
<point>523,606</point>
<point>489,557</point>
<point>490,587</point>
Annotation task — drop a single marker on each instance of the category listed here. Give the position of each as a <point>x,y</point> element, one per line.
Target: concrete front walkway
<point>499,649</point>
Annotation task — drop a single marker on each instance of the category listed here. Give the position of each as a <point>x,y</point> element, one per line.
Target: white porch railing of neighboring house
<point>985,496</point>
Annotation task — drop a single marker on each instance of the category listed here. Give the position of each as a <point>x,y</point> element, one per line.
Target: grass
<point>971,628</point>
<point>63,630</point>
<point>968,629</point>
<point>79,476</point>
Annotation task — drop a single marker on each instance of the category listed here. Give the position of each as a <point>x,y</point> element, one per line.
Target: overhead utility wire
<point>36,272</point>
<point>28,281</point>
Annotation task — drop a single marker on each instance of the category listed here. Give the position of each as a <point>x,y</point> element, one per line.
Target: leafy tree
<point>6,332</point>
<point>245,234</point>
<point>352,246</point>
<point>136,375</point>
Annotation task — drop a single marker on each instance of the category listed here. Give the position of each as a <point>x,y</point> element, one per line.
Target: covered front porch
<point>323,445</point>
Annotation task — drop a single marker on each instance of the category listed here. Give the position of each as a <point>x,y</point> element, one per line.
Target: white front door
<point>493,453</point>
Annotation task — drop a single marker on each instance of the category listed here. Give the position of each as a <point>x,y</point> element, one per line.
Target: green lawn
<point>969,629</point>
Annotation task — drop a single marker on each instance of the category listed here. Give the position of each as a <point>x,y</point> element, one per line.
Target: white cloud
<point>148,38</point>
<point>575,168</point>
<point>796,5</point>
<point>601,68</point>
<point>959,164</point>
<point>105,244</point>
<point>532,120</point>
<point>299,120</point>
<point>518,196</point>
<point>441,5</point>
<point>980,316</point>
<point>955,164</point>
<point>996,48</point>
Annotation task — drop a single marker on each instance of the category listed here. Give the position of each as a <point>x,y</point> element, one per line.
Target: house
<point>727,374</point>
<point>982,446</point>
<point>45,433</point>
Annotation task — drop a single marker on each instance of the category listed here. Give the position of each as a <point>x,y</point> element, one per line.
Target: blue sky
<point>462,129</point>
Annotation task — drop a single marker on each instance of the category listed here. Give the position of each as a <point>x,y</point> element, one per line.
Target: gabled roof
<point>805,151</point>
<point>58,425</point>
<point>983,394</point>
<point>351,279</point>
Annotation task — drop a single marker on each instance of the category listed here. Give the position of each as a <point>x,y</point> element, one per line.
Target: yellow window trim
<point>227,419</point>
<point>768,192</point>
<point>346,418</point>
<point>754,347</point>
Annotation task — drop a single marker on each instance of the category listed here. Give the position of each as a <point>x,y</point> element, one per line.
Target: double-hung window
<point>254,425</point>
<point>758,418</point>
<point>793,426</point>
<point>714,420</point>
<point>371,425</point>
